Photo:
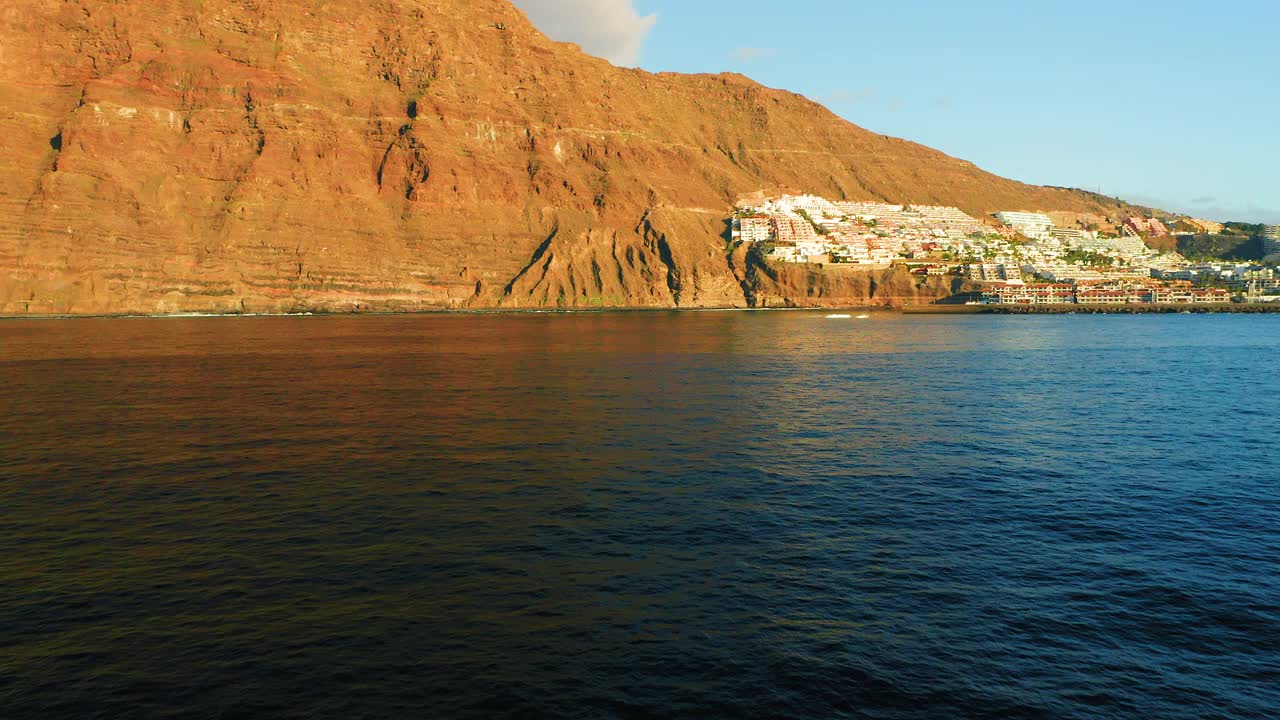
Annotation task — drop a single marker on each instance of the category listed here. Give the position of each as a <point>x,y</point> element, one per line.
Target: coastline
<point>1126,309</point>
<point>443,311</point>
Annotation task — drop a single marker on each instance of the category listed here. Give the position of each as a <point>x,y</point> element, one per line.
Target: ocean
<point>640,515</point>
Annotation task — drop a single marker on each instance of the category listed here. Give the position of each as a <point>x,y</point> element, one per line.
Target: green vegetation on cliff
<point>1220,247</point>
<point>1244,229</point>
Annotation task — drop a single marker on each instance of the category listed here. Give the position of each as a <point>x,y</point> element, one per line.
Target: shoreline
<point>1119,309</point>
<point>443,311</point>
<point>1125,309</point>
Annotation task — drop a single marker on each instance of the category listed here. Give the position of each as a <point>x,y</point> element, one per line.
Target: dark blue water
<point>653,515</point>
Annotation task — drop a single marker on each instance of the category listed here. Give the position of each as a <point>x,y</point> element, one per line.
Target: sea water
<point>641,515</point>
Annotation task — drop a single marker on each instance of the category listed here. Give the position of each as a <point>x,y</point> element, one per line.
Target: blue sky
<point>1175,104</point>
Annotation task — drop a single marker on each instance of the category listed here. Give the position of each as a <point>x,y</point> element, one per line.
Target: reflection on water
<point>631,515</point>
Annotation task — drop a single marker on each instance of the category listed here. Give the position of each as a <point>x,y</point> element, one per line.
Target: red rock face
<point>287,155</point>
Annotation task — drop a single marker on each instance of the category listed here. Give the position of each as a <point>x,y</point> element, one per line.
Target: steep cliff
<point>280,155</point>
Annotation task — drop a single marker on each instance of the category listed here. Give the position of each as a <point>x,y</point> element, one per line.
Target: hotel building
<point>1036,226</point>
<point>1271,240</point>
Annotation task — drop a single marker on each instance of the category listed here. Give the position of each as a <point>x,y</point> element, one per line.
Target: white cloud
<point>611,29</point>
<point>747,54</point>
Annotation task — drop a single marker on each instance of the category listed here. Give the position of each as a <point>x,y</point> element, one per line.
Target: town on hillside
<point>1014,257</point>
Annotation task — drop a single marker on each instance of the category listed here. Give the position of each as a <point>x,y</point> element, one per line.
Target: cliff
<point>286,155</point>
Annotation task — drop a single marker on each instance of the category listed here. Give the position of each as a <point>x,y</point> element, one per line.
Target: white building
<point>784,253</point>
<point>753,228</point>
<point>1271,240</point>
<point>815,207</point>
<point>994,272</point>
<point>1036,226</point>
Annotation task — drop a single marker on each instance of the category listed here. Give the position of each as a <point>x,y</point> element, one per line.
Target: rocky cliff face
<point>285,155</point>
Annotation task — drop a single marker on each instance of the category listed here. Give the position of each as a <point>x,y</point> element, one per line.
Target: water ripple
<point>710,515</point>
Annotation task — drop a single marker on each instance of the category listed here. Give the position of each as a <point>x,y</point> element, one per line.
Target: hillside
<point>1221,247</point>
<point>280,155</point>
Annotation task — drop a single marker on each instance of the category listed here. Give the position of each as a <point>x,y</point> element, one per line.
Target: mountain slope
<point>276,155</point>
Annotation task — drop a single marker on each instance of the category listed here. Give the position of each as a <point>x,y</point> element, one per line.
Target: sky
<point>1173,104</point>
